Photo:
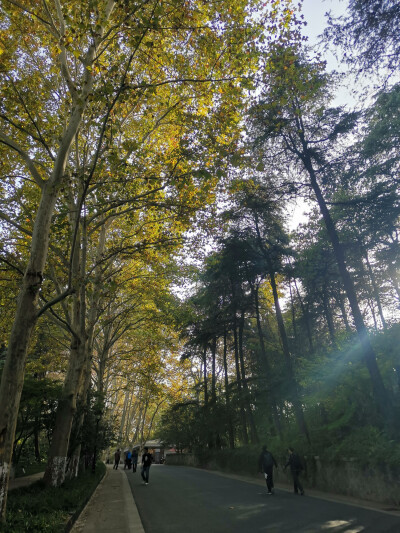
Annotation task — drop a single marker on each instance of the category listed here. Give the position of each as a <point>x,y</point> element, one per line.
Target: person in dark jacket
<point>295,468</point>
<point>117,457</point>
<point>266,464</point>
<point>134,460</point>
<point>147,459</point>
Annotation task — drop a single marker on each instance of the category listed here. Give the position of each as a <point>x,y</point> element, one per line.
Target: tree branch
<point>55,300</point>
<point>29,162</point>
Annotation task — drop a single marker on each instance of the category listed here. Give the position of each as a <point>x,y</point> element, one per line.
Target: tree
<point>371,31</point>
<point>97,71</point>
<point>259,214</point>
<point>292,116</point>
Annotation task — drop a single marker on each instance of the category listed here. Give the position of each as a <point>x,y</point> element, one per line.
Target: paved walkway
<point>23,481</point>
<point>111,508</point>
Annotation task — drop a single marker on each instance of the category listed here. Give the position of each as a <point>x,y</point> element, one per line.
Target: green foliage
<point>188,426</point>
<point>97,431</point>
<point>40,509</point>
<point>368,34</point>
<point>36,417</point>
<point>367,445</point>
<point>242,460</point>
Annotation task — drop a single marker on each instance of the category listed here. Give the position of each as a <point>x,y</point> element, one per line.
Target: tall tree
<point>260,214</point>
<point>370,29</point>
<point>292,115</point>
<point>94,70</point>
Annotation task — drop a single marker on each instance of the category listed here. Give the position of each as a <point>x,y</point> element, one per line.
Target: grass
<point>30,469</point>
<point>37,508</point>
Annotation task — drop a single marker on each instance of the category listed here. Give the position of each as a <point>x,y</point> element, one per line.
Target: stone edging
<point>77,513</point>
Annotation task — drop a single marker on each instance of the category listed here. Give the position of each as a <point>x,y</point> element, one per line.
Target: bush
<point>242,460</point>
<point>38,508</point>
<point>368,446</point>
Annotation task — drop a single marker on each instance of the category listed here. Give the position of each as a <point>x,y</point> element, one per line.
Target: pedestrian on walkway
<point>147,459</point>
<point>134,460</point>
<point>296,467</point>
<point>266,464</point>
<point>117,458</point>
<point>125,459</point>
<point>129,459</point>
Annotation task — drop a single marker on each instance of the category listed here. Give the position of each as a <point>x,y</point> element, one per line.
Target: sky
<point>314,14</point>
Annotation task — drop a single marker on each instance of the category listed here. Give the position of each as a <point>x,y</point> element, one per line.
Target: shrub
<point>38,508</point>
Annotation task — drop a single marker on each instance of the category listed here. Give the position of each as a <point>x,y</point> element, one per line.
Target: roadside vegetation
<point>38,508</point>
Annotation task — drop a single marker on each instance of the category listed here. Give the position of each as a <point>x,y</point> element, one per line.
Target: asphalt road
<point>188,500</point>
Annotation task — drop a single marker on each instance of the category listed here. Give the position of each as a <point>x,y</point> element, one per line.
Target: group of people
<point>131,460</point>
<point>266,465</point>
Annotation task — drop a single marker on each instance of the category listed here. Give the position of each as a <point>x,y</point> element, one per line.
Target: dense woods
<point>153,283</point>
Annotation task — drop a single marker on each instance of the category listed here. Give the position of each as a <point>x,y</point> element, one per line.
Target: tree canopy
<point>151,284</point>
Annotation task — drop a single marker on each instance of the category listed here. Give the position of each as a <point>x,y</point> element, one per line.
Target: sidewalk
<point>111,508</point>
<point>23,481</point>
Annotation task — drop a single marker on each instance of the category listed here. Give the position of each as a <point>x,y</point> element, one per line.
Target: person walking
<point>295,468</point>
<point>117,458</point>
<point>129,459</point>
<point>125,459</point>
<point>147,459</point>
<point>266,464</point>
<point>134,460</point>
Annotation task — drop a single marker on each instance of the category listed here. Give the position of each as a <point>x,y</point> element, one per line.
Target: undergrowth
<point>38,508</point>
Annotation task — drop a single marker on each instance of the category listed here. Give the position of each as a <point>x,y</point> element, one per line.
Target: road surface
<point>188,500</point>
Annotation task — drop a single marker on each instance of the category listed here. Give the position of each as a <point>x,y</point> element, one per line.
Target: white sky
<point>314,14</point>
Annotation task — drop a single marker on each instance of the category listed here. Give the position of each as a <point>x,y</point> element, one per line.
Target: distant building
<point>156,448</point>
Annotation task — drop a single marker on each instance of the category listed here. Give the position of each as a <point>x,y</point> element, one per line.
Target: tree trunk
<point>294,397</point>
<point>380,393</point>
<point>125,409</point>
<point>12,378</point>
<point>205,378</point>
<point>213,376</point>
<point>340,303</point>
<point>73,465</point>
<point>289,368</point>
<point>328,316</point>
<point>26,314</point>
<point>144,413</point>
<point>270,392</point>
<point>245,387</point>
<point>239,383</point>
<point>293,309</point>
<point>306,317</point>
<point>227,397</point>
<point>58,454</point>
<point>36,442</point>
<point>55,471</point>
<point>375,291</point>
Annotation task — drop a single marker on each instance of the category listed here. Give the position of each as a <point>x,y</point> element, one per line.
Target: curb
<point>77,513</point>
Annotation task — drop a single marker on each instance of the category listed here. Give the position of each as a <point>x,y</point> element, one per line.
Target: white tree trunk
<point>25,319</point>
<point>27,313</point>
